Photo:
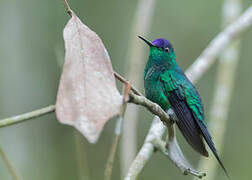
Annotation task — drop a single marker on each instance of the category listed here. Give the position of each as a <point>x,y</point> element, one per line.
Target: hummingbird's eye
<point>166,49</point>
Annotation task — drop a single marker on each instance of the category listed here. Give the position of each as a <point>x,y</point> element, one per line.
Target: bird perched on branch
<point>166,84</point>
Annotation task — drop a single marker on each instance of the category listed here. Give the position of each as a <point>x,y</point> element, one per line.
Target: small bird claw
<point>172,115</point>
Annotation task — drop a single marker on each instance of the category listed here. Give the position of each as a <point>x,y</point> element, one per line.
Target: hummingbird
<point>166,84</point>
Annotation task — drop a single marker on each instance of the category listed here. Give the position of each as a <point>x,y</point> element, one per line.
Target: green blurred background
<point>31,57</point>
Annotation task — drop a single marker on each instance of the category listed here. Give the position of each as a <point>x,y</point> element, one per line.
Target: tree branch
<point>152,107</point>
<point>68,9</point>
<point>156,131</point>
<point>123,80</point>
<point>26,116</point>
<point>174,153</point>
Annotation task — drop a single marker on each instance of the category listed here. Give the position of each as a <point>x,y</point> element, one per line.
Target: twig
<point>68,9</point>
<point>223,91</point>
<point>109,165</point>
<point>26,116</point>
<point>8,164</point>
<point>156,131</point>
<point>123,80</point>
<point>177,158</point>
<point>152,107</point>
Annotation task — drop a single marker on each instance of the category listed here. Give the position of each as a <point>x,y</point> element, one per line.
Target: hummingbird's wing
<point>186,103</point>
<point>186,121</point>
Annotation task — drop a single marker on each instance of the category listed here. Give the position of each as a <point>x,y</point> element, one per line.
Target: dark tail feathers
<point>210,143</point>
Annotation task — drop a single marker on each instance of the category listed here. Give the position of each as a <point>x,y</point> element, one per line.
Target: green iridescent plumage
<point>162,67</point>
<point>166,84</point>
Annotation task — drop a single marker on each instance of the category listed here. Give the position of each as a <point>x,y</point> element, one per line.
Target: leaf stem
<point>68,9</point>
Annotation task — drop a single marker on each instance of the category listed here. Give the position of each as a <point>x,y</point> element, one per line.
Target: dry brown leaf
<point>87,96</point>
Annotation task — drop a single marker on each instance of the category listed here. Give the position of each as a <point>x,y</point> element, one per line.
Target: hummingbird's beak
<point>146,41</point>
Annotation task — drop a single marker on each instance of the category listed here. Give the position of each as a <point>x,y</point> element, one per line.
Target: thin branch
<point>152,107</point>
<point>123,80</point>
<point>110,162</point>
<point>218,44</point>
<point>8,164</point>
<point>68,9</point>
<point>109,165</point>
<point>177,158</point>
<point>26,116</point>
<point>156,131</point>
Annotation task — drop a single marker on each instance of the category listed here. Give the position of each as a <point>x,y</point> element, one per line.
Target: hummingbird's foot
<point>200,175</point>
<point>172,121</point>
<point>172,115</point>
